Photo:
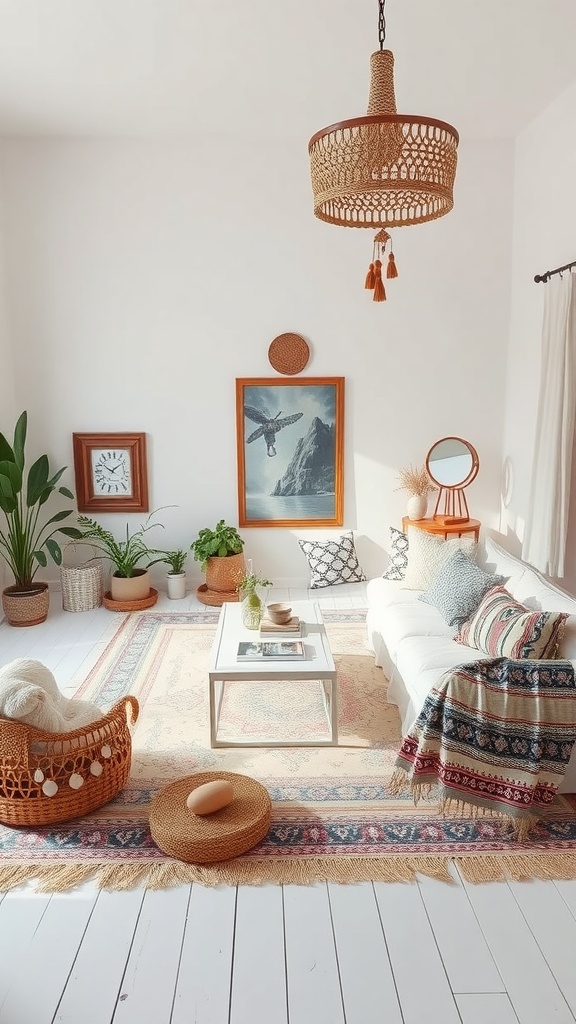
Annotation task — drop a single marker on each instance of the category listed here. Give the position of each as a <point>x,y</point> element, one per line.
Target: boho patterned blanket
<point>494,734</point>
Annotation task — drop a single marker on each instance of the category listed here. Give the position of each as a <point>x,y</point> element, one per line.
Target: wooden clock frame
<point>86,499</point>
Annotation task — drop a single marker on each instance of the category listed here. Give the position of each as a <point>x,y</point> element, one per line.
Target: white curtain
<point>547,520</point>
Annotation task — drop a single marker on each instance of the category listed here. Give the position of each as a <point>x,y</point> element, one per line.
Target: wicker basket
<point>82,587</point>
<point>88,767</point>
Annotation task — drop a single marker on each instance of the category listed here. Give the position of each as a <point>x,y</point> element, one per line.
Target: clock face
<point>111,472</point>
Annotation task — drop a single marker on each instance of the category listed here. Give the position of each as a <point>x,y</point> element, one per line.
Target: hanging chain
<point>381,24</point>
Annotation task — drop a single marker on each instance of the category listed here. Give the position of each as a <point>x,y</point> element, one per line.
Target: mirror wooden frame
<point>455,508</point>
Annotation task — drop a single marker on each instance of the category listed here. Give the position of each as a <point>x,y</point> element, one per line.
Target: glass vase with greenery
<point>252,604</point>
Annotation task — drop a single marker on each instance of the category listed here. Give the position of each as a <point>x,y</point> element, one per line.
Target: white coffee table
<point>318,664</point>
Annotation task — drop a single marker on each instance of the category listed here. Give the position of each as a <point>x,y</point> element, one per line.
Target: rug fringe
<point>246,871</point>
<point>475,868</point>
<point>519,867</point>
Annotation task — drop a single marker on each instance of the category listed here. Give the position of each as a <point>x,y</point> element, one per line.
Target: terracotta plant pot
<point>131,588</point>
<point>26,607</point>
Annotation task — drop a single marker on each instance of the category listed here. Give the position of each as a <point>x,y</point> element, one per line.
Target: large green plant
<point>124,554</point>
<point>222,541</point>
<point>25,538</point>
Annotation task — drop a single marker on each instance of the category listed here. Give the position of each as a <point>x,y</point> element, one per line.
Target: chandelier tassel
<point>379,293</point>
<point>391,269</point>
<point>370,279</point>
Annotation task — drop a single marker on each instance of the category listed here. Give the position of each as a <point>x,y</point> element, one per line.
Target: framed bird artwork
<point>290,443</point>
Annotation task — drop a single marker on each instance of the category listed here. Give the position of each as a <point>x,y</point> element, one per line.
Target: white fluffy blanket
<point>29,693</point>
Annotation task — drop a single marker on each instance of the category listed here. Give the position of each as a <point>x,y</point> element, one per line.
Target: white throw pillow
<point>427,553</point>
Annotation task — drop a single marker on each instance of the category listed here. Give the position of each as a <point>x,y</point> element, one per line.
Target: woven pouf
<point>205,839</point>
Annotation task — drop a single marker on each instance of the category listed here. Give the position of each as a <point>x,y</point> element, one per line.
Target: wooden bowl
<point>279,613</point>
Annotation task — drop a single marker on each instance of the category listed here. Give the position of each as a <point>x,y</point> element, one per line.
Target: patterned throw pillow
<point>458,588</point>
<point>427,554</point>
<point>398,555</point>
<point>332,561</point>
<point>502,627</point>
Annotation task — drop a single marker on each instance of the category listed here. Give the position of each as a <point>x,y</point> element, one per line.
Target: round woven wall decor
<point>289,353</point>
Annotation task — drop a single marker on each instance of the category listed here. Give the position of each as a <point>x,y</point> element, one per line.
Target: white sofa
<point>414,646</point>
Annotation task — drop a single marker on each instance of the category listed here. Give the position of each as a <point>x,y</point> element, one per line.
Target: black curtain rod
<point>548,274</point>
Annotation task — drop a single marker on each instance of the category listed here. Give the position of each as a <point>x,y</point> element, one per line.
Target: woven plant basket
<point>82,587</point>
<point>47,777</point>
<point>26,609</point>
<point>222,574</point>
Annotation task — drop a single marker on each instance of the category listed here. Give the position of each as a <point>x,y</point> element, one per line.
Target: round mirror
<point>452,462</point>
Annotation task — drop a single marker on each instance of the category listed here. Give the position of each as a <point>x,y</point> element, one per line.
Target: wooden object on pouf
<point>226,833</point>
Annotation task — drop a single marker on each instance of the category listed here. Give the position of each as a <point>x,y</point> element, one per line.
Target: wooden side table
<point>445,530</point>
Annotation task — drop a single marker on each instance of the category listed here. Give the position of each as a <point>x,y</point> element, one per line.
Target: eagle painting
<point>269,426</point>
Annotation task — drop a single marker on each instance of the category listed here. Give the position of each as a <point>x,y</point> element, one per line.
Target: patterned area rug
<point>333,815</point>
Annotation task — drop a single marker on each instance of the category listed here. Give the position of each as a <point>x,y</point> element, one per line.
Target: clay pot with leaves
<point>220,553</point>
<point>130,580</point>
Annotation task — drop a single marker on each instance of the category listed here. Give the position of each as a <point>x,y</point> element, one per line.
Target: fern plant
<point>175,559</point>
<point>125,554</point>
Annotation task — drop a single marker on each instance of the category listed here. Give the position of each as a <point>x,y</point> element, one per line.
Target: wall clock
<point>111,472</point>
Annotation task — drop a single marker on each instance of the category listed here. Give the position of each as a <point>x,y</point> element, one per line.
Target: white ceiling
<point>275,68</point>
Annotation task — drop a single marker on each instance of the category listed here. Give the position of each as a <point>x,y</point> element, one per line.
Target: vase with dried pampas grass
<point>416,481</point>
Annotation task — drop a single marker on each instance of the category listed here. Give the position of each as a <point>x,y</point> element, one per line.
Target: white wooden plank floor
<point>323,954</point>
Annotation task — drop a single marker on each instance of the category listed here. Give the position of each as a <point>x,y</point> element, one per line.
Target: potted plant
<point>26,539</point>
<point>130,581</point>
<point>221,558</point>
<point>416,481</point>
<point>252,606</point>
<point>176,576</point>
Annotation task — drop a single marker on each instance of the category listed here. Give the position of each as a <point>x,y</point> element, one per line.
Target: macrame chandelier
<point>383,170</point>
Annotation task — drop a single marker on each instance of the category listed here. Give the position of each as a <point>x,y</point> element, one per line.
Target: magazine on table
<point>270,650</point>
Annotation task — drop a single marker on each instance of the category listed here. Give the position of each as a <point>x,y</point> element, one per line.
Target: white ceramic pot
<point>131,588</point>
<point>176,584</point>
<point>416,506</point>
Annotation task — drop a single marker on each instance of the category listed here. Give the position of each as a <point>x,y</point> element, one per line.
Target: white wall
<point>544,237</point>
<point>7,380</point>
<point>145,276</point>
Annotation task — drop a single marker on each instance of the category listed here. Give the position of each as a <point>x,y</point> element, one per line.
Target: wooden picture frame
<point>290,451</point>
<point>111,472</point>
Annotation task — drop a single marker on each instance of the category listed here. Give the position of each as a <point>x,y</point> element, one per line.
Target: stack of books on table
<point>291,628</point>
<point>270,650</point>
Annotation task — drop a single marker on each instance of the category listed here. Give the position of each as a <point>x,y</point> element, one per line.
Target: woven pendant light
<point>385,169</point>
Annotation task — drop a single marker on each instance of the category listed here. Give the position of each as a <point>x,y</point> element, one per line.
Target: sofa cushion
<point>332,561</point>
<point>502,627</point>
<point>398,555</point>
<point>427,553</point>
<point>458,588</point>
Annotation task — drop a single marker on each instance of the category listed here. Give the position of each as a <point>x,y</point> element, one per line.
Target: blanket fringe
<point>450,806</point>
<point>475,868</point>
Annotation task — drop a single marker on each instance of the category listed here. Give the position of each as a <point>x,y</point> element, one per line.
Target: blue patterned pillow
<point>458,588</point>
<point>398,555</point>
<point>332,561</point>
